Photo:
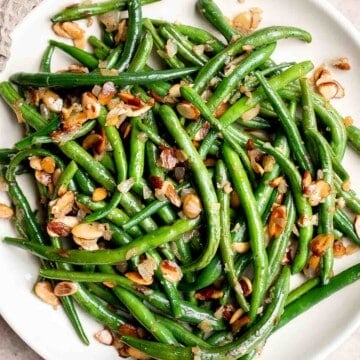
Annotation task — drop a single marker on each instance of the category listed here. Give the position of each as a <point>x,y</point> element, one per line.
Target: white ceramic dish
<point>312,335</point>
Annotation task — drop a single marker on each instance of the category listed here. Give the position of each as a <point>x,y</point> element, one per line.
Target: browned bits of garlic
<point>192,206</point>
<point>277,221</point>
<point>357,224</point>
<point>44,291</point>
<point>321,243</point>
<point>251,114</point>
<point>136,278</point>
<point>48,164</point>
<point>104,337</point>
<point>247,21</point>
<point>99,194</point>
<point>339,249</point>
<point>90,105</point>
<point>61,226</point>
<point>171,271</point>
<point>188,110</point>
<point>62,205</point>
<point>65,288</point>
<point>209,293</point>
<point>6,212</point>
<point>341,63</point>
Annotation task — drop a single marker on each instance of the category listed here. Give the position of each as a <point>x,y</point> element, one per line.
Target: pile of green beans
<point>195,215</point>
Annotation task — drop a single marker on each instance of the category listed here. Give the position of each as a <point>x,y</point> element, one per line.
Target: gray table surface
<point>13,348</point>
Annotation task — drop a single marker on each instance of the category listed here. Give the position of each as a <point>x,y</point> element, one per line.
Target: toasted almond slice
<point>321,243</point>
<point>65,288</point>
<point>236,315</point>
<point>342,63</point>
<point>188,110</point>
<point>89,231</point>
<point>90,104</point>
<point>171,271</point>
<point>192,206</point>
<point>86,244</point>
<point>240,323</point>
<point>322,74</point>
<point>61,226</point>
<point>246,285</point>
<point>44,291</point>
<point>241,247</point>
<point>250,114</point>
<point>6,212</point>
<point>107,92</point>
<point>138,279</point>
<point>209,293</point>
<point>312,268</point>
<point>171,48</point>
<point>48,164</point>
<point>277,221</point>
<point>62,205</point>
<point>137,354</point>
<point>147,268</point>
<point>99,194</point>
<point>339,248</point>
<point>52,101</point>
<point>104,337</point>
<point>35,162</point>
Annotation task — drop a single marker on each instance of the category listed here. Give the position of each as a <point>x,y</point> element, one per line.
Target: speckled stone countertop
<point>13,348</point>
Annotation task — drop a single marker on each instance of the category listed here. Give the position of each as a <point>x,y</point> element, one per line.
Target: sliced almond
<point>277,221</point>
<point>136,278</point>
<point>330,90</point>
<point>241,247</point>
<point>321,243</point>
<point>188,110</point>
<point>52,101</point>
<point>312,267</point>
<point>43,177</point>
<point>86,244</point>
<point>6,212</point>
<point>247,21</point>
<point>209,293</point>
<point>48,164</point>
<point>191,206</point>
<point>137,354</point>
<point>322,74</point>
<point>339,248</point>
<point>90,104</point>
<point>236,315</point>
<point>147,268</point>
<point>251,114</point>
<point>62,205</point>
<point>44,291</point>
<point>171,271</point>
<point>221,109</point>
<point>240,323</point>
<point>107,92</point>
<point>104,337</point>
<point>89,231</point>
<point>35,162</point>
<point>61,226</point>
<point>317,191</point>
<point>246,285</point>
<point>122,31</point>
<point>171,48</point>
<point>342,63</point>
<point>65,288</point>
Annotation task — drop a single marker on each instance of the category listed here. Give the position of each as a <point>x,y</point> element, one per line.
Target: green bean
<point>67,80</point>
<point>351,199</point>
<point>295,141</point>
<point>85,184</point>
<point>277,247</point>
<point>256,235</point>
<point>319,293</point>
<point>353,134</point>
<point>81,11</point>
<point>45,65</point>
<point>277,82</point>
<point>65,178</point>
<point>213,14</point>
<point>133,34</point>
<point>108,162</point>
<point>241,346</point>
<point>302,289</point>
<point>309,118</point>
<point>204,183</point>
<point>114,55</point>
<point>139,246</point>
<point>101,50</point>
<point>104,293</point>
<point>27,141</point>
<point>85,58</point>
<point>230,82</point>
<point>137,152</point>
<point>184,47</point>
<point>345,225</point>
<point>142,53</point>
<point>153,136</point>
<point>258,38</point>
<point>227,253</point>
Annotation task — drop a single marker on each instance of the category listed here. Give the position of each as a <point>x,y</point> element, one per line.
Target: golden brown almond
<point>171,271</point>
<point>99,194</point>
<point>137,354</point>
<point>209,293</point>
<point>348,121</point>
<point>6,212</point>
<point>234,200</point>
<point>43,177</point>
<point>346,185</point>
<point>128,330</point>
<point>65,288</point>
<point>52,101</point>
<point>188,110</point>
<point>89,231</point>
<point>251,114</point>
<point>147,267</point>
<point>246,285</point>
<point>317,191</point>
<point>171,48</point>
<point>312,268</point>
<point>342,63</point>
<point>339,248</point>
<point>321,243</point>
<point>240,323</point>
<point>268,163</point>
<point>322,74</point>
<point>351,249</point>
<point>247,21</point>
<point>90,104</point>
<point>220,110</point>
<point>48,164</point>
<point>330,90</point>
<point>277,221</point>
<point>35,162</point>
<point>62,205</point>
<point>236,316</point>
<point>104,337</point>
<point>107,92</point>
<point>44,291</point>
<point>192,206</point>
<point>136,278</point>
<point>122,31</point>
<point>241,247</point>
<point>86,244</point>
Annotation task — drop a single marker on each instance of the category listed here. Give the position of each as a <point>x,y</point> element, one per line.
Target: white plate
<point>312,335</point>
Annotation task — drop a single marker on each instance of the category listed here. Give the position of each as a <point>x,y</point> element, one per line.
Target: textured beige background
<point>13,348</point>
